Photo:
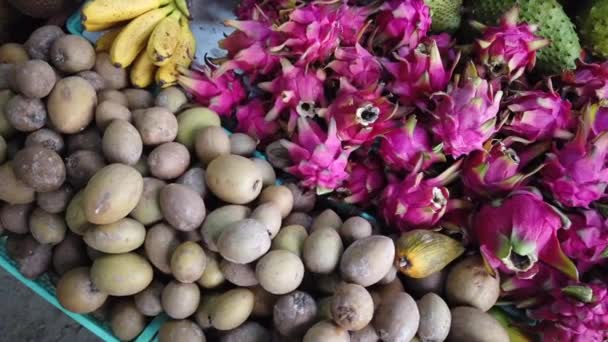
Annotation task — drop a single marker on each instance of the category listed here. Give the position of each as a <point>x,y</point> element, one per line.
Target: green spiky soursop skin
<point>445,14</point>
<point>552,22</point>
<point>593,27</point>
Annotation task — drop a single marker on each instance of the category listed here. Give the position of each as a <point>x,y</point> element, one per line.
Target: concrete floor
<point>25,317</point>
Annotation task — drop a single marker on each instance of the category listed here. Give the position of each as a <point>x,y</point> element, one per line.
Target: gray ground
<point>25,317</point>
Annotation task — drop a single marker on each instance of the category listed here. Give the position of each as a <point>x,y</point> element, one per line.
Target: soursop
<point>446,15</point>
<point>593,27</point>
<point>552,22</point>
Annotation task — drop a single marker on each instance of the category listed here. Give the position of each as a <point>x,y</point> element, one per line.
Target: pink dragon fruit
<point>517,232</point>
<point>365,183</point>
<point>402,23</point>
<point>419,74</point>
<point>248,48</point>
<point>297,91</point>
<point>267,10</point>
<point>220,93</point>
<point>587,240</point>
<point>539,115</point>
<point>510,48</point>
<point>415,202</point>
<point>497,169</point>
<point>361,115</point>
<point>577,313</point>
<point>590,81</point>
<point>317,158</point>
<point>250,118</point>
<point>357,65</point>
<point>401,148</point>
<point>597,117</point>
<point>466,114</point>
<point>526,293</point>
<point>314,31</point>
<point>577,174</point>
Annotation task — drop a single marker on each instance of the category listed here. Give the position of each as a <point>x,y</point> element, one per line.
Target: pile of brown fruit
<point>142,205</point>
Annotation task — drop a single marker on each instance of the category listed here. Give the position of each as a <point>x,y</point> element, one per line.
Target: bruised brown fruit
<point>107,111</point>
<point>211,142</point>
<point>82,165</point>
<point>40,168</point>
<point>72,54</point>
<point>242,144</point>
<point>97,82</point>
<point>32,258</point>
<point>182,331</point>
<point>148,301</point>
<point>157,126</point>
<point>169,160</point>
<point>35,79</point>
<point>121,143</point>
<point>352,307</point>
<point>194,178</point>
<point>46,138</point>
<point>294,313</point>
<point>25,115</point>
<point>469,283</point>
<point>89,139</point>
<point>71,104</point>
<point>47,228</point>
<point>69,254</point>
<point>76,292</point>
<point>14,218</point>
<point>326,331</point>
<point>182,207</point>
<point>40,41</point>
<point>115,77</point>
<point>126,322</point>
<point>161,241</point>
<point>180,300</point>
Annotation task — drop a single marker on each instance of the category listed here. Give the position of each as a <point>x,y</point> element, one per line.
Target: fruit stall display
<point>401,170</point>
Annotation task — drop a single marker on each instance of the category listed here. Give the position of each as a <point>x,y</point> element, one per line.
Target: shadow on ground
<point>25,317</point>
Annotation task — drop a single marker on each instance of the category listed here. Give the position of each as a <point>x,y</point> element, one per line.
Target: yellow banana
<point>105,41</point>
<point>106,11</point>
<point>164,39</point>
<point>133,38</point>
<point>166,75</point>
<point>96,27</point>
<point>142,71</point>
<point>182,5</point>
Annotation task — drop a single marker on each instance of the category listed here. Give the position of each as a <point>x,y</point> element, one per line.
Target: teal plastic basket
<point>45,289</point>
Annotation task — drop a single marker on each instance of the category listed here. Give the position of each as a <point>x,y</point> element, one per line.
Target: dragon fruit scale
<point>517,232</point>
<point>466,115</point>
<point>587,240</point>
<point>251,120</point>
<point>497,169</point>
<point>577,174</point>
<point>402,23</point>
<point>539,115</point>
<point>220,93</point>
<point>317,158</point>
<point>402,147</point>
<point>577,313</point>
<point>365,182</point>
<point>416,202</point>
<point>419,74</point>
<point>314,31</point>
<point>270,10</point>
<point>361,115</point>
<point>510,48</point>
<point>249,49</point>
<point>590,82</point>
<point>297,91</point>
<point>357,65</point>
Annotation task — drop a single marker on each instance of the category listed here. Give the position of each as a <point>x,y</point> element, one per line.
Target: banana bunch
<point>152,37</point>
